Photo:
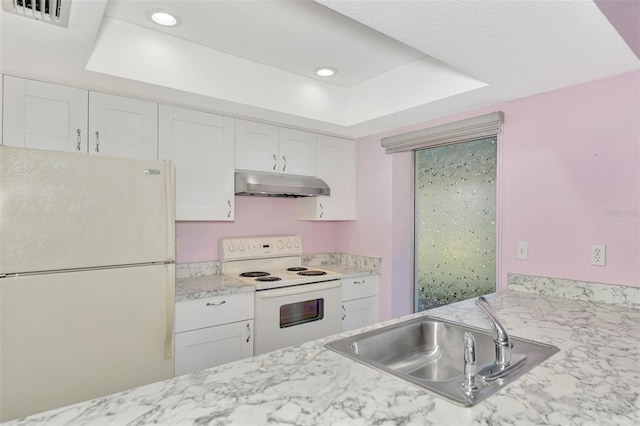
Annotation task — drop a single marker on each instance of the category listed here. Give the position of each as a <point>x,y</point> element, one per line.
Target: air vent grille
<point>54,12</point>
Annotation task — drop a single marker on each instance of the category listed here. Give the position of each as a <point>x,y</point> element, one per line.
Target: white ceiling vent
<point>51,11</point>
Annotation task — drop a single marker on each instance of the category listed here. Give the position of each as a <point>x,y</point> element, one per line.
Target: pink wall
<point>198,241</point>
<point>568,178</point>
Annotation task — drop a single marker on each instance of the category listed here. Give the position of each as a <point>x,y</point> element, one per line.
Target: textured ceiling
<point>399,62</point>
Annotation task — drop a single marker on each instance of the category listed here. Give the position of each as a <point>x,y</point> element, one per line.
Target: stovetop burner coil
<point>312,273</point>
<point>270,278</point>
<point>254,274</point>
<point>297,269</point>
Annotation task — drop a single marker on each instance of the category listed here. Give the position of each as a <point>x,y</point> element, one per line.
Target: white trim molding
<point>474,128</point>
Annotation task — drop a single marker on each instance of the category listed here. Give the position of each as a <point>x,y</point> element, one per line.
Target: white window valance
<point>480,127</point>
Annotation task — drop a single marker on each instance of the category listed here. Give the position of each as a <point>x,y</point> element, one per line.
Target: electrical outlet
<point>522,250</point>
<point>598,254</point>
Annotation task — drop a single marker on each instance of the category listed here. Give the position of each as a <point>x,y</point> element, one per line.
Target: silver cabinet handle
<point>359,282</point>
<point>275,162</point>
<point>78,139</point>
<point>229,212</point>
<point>222,302</point>
<point>284,168</point>
<point>97,141</point>
<point>344,313</point>
<point>321,210</point>
<point>248,331</point>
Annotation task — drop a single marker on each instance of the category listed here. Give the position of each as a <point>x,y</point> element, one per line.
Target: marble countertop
<point>209,286</point>
<point>347,271</point>
<point>594,379</point>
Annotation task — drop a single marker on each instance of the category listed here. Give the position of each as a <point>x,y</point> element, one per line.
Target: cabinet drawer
<point>356,288</point>
<point>200,313</point>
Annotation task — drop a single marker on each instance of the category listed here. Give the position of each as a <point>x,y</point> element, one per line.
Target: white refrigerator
<point>87,277</point>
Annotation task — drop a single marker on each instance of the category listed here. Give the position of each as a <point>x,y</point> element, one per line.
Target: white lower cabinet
<point>213,331</point>
<point>211,346</point>
<point>360,302</point>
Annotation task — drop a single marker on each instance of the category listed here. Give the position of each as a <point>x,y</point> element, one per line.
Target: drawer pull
<point>222,302</point>
<point>249,333</point>
<point>360,282</point>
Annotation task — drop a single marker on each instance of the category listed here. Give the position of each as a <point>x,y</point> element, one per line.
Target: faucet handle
<point>469,382</point>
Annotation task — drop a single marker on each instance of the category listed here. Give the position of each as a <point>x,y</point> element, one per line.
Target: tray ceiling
<point>398,62</point>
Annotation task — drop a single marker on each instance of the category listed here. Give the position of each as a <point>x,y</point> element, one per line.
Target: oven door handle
<point>299,289</point>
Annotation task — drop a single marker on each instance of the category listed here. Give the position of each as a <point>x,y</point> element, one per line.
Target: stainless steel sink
<point>429,352</point>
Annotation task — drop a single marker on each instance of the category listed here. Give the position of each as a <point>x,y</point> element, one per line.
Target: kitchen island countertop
<point>594,379</point>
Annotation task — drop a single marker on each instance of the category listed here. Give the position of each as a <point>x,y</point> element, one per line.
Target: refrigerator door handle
<point>171,299</point>
<point>171,214</point>
<point>171,255</point>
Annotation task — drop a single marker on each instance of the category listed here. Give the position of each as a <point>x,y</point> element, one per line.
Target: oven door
<point>291,315</point>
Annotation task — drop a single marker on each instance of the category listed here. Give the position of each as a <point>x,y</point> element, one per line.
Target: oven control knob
<point>296,244</point>
<point>280,244</point>
<point>241,247</point>
<point>232,248</point>
<point>288,244</point>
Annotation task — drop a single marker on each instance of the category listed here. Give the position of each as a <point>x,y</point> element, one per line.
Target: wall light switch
<point>598,255</point>
<point>522,251</point>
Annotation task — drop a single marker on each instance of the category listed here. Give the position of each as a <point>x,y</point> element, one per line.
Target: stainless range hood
<point>279,185</point>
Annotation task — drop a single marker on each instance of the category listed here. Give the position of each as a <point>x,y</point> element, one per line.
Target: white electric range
<point>293,303</point>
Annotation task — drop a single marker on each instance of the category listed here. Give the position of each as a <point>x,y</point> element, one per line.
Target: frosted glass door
<point>455,222</point>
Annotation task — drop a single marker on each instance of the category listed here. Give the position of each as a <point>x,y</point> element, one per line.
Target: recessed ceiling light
<point>163,18</point>
<point>325,71</point>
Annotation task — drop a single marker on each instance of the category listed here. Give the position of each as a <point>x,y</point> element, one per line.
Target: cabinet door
<point>336,165</point>
<point>122,127</point>
<point>359,313</point>
<point>201,147</point>
<point>297,152</point>
<point>208,347</point>
<point>44,115</point>
<point>256,146</point>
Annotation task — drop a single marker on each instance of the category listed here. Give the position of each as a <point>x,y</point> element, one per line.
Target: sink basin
<point>429,352</point>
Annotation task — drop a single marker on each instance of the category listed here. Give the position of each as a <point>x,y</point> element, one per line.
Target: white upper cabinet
<point>201,146</point>
<point>336,162</point>
<point>44,115</point>
<point>60,118</point>
<point>257,146</point>
<point>297,155</point>
<point>267,148</point>
<point>122,127</point>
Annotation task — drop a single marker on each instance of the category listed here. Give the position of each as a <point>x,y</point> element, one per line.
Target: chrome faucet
<point>500,335</point>
<point>503,361</point>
